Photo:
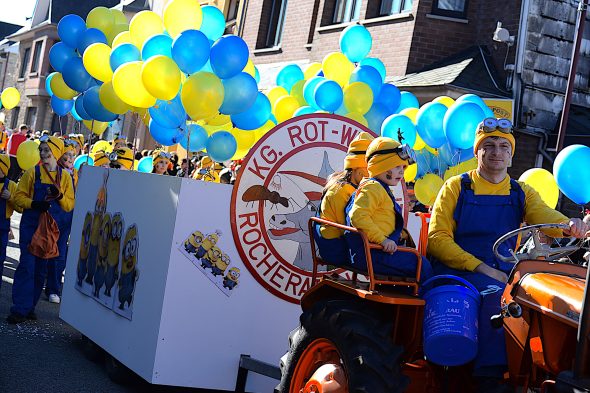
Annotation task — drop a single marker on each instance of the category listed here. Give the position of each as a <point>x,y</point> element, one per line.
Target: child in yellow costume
<point>335,196</point>
<point>101,159</point>
<point>374,210</point>
<point>161,161</point>
<point>119,142</point>
<point>7,206</point>
<point>122,158</point>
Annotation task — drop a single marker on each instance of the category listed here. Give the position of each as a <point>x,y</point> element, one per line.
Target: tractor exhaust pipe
<point>582,361</point>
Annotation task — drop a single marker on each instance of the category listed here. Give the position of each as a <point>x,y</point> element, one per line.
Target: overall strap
<point>517,193</point>
<point>465,187</point>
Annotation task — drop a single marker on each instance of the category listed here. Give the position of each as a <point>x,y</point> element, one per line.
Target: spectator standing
<point>12,147</point>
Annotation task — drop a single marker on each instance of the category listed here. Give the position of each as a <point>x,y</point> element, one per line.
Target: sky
<point>17,11</point>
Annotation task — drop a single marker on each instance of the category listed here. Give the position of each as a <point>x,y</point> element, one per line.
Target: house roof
<point>471,69</point>
<point>7,29</point>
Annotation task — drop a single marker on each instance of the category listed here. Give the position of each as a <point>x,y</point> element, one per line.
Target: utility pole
<point>579,33</point>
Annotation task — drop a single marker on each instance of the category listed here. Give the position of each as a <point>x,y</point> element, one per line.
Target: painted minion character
<point>103,249</point>
<point>121,158</point>
<point>211,258</point>
<point>205,166</point>
<point>129,272</point>
<point>194,241</point>
<point>208,243</point>
<point>101,159</point>
<point>161,161</point>
<point>118,142</point>
<point>84,248</point>
<point>100,208</point>
<point>231,278</point>
<point>114,247</point>
<point>220,264</point>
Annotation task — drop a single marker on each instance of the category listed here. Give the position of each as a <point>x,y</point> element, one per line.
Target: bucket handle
<point>450,277</point>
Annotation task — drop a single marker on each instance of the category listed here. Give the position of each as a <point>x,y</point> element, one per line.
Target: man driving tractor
<point>471,212</point>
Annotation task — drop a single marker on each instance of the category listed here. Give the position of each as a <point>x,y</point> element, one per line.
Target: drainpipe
<point>519,59</point>
<point>240,29</point>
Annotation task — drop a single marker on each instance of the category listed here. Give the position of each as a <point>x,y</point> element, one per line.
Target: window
<point>452,8</point>
<point>347,11</point>
<point>31,117</point>
<point>232,10</point>
<point>36,57</point>
<point>274,12</point>
<point>392,7</point>
<point>14,120</point>
<point>25,63</point>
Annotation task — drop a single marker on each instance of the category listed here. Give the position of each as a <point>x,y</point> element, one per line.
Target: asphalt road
<point>46,355</point>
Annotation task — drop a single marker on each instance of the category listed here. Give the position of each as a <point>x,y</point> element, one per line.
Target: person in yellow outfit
<point>374,210</point>
<point>470,213</point>
<point>119,142</point>
<point>161,161</point>
<point>43,188</point>
<point>7,206</point>
<point>335,195</point>
<point>3,135</point>
<point>67,160</point>
<point>121,158</point>
<point>206,171</point>
<point>78,140</point>
<point>101,159</point>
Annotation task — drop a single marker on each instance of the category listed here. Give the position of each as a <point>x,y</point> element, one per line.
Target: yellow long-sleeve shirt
<point>373,211</point>
<point>11,206</point>
<point>24,192</point>
<point>441,238</point>
<point>333,205</point>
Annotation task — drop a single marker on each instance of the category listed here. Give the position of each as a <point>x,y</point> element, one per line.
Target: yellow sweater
<point>441,243</point>
<point>10,203</point>
<point>373,211</point>
<point>333,205</point>
<point>24,192</point>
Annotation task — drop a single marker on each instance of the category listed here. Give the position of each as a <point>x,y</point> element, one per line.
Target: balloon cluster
<point>178,71</point>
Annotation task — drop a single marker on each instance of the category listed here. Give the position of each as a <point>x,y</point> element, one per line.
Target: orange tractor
<point>366,335</point>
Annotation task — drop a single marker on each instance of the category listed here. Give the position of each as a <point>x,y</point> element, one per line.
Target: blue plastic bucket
<point>450,320</point>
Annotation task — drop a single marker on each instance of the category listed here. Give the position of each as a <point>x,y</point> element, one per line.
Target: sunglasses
<point>492,124</point>
<point>404,152</point>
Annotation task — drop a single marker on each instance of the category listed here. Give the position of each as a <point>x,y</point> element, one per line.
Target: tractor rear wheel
<point>349,335</point>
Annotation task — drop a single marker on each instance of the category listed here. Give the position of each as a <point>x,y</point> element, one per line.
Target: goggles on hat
<point>118,155</point>
<point>164,154</point>
<point>492,124</point>
<point>404,152</point>
<point>44,138</point>
<point>70,142</point>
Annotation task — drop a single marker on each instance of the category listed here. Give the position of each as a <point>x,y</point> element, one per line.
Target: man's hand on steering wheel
<point>577,228</point>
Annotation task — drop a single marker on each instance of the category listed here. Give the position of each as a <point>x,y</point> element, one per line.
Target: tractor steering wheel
<point>539,250</point>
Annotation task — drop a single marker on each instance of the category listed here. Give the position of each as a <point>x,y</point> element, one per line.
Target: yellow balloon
<point>122,38</point>
<point>419,144</point>
<point>410,173</point>
<point>110,100</point>
<point>96,127</point>
<point>100,18</point>
<point>285,107</point>
<point>260,132</point>
<point>202,95</point>
<point>542,181</point>
<point>469,165</point>
<point>101,146</point>
<point>115,30</point>
<point>60,89</point>
<point>358,97</point>
<point>452,171</point>
<point>297,92</point>
<point>338,68</point>
<point>95,57</point>
<point>161,77</point>
<point>427,188</point>
<point>445,100</point>
<point>144,25</point>
<point>213,129</point>
<point>358,118</point>
<point>411,113</point>
<point>432,150</point>
<point>245,140</point>
<point>119,17</point>
<point>129,86</point>
<point>10,96</point>
<point>312,70</point>
<point>181,15</point>
<point>250,69</point>
<point>27,155</point>
<point>275,93</point>
<point>218,120</point>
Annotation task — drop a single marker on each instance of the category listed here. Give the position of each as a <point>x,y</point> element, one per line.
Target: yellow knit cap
<point>160,155</point>
<point>4,164</point>
<point>78,138</point>
<point>480,135</point>
<point>379,163</point>
<point>101,158</point>
<point>56,146</point>
<point>124,157</point>
<point>205,162</point>
<point>355,157</point>
<point>68,147</point>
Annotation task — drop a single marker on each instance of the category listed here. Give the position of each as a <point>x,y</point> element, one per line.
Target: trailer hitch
<point>511,310</point>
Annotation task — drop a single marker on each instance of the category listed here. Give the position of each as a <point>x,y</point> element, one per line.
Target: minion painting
<point>129,272</point>
<point>209,260</point>
<point>220,264</point>
<point>231,278</point>
<point>192,244</point>
<point>99,210</point>
<point>103,244</point>
<point>208,243</point>
<point>82,267</point>
<point>114,250</point>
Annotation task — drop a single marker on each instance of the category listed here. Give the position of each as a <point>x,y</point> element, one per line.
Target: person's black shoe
<point>13,319</point>
<point>32,316</point>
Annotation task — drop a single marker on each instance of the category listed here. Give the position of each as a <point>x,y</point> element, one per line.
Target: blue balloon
<point>571,173</point>
<point>59,54</point>
<point>229,56</point>
<point>452,156</point>
<point>70,28</point>
<point>304,110</point>
<point>376,64</point>
<point>79,106</point>
<point>256,74</point>
<point>368,75</point>
<point>190,50</point>
<point>256,116</point>
<point>145,165</point>
<point>460,123</point>
<point>89,37</point>
<point>240,94</point>
<point>168,114</point>
<point>165,136</point>
<point>198,138</point>
<point>400,128</point>
<point>61,107</point>
<point>355,42</point>
<point>309,90</point>
<point>213,25</point>
<point>94,107</point>
<point>122,54</point>
<point>84,159</point>
<point>476,100</point>
<point>429,123</point>
<point>48,83</point>
<point>76,76</point>
<point>328,95</point>
<point>289,75</point>
<point>159,44</point>
<point>426,163</point>
<point>221,146</point>
<point>75,114</point>
<point>407,100</point>
<point>376,116</point>
<point>390,97</point>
